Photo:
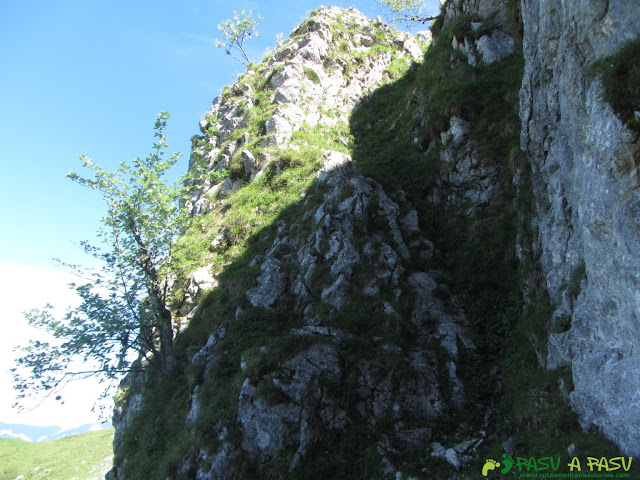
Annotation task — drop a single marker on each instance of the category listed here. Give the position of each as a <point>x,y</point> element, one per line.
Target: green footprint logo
<point>507,461</point>
<point>489,465</point>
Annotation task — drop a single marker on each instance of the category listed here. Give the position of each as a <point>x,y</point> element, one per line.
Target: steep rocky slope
<point>337,325</point>
<point>381,253</point>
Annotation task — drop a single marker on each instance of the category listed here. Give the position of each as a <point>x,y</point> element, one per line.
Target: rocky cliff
<point>409,256</point>
<point>585,161</point>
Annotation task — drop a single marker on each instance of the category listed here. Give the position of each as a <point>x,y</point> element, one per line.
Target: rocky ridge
<point>378,336</point>
<point>308,83</point>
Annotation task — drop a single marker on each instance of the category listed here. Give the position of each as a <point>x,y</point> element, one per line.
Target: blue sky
<point>89,77</point>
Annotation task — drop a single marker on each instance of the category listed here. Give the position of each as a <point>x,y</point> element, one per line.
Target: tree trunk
<point>165,323</point>
<point>166,341</point>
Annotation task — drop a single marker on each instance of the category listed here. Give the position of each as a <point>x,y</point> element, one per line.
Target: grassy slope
<point>82,457</point>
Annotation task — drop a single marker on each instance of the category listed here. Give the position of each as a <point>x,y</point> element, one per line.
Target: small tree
<point>411,11</point>
<point>236,31</point>
<point>125,303</point>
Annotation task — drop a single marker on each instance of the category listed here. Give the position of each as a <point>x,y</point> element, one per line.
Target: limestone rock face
<point>487,49</point>
<point>312,84</point>
<point>587,205</point>
<point>493,9</point>
<point>344,244</point>
<point>467,181</point>
<point>124,412</point>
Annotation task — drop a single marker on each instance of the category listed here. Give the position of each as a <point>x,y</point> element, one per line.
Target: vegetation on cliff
<point>441,137</point>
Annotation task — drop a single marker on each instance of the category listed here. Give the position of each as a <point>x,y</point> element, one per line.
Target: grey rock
<point>424,37</point>
<point>558,351</point>
<point>278,124</point>
<point>493,9</point>
<point>270,284</point>
<point>201,280</point>
<point>371,290</point>
<point>464,446</point>
<point>416,439</point>
<point>229,186</point>
<point>495,47</point>
<point>413,48</point>
<point>342,254</point>
<point>438,450</point>
<point>336,293</point>
<point>451,456</point>
<point>219,243</point>
<point>337,167</point>
<point>358,224</point>
<point>289,74</point>
<point>321,331</point>
<point>194,412</point>
<point>457,390</point>
<point>266,428</point>
<point>410,222</point>
<point>248,162</point>
<point>510,445</point>
<point>450,328</point>
<point>287,95</point>
<point>202,356</point>
<point>386,467</point>
<point>221,464</point>
<point>390,210</point>
<point>458,130</point>
<point>375,391</point>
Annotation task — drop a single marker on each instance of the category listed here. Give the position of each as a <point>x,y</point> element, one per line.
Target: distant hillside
<point>86,456</point>
<point>31,433</point>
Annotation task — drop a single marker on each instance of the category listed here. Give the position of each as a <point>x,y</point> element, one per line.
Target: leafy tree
<point>124,306</point>
<point>236,31</point>
<point>411,11</point>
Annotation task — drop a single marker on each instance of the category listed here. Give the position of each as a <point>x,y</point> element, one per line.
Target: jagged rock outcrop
<point>468,183</point>
<point>585,182</point>
<point>360,242</point>
<point>310,83</point>
<point>488,48</point>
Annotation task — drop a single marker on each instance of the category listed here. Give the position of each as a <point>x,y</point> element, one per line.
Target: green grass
<point>398,67</point>
<point>84,456</point>
<point>620,75</point>
<point>311,74</point>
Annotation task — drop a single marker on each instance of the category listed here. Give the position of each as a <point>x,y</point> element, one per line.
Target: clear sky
<point>89,77</point>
